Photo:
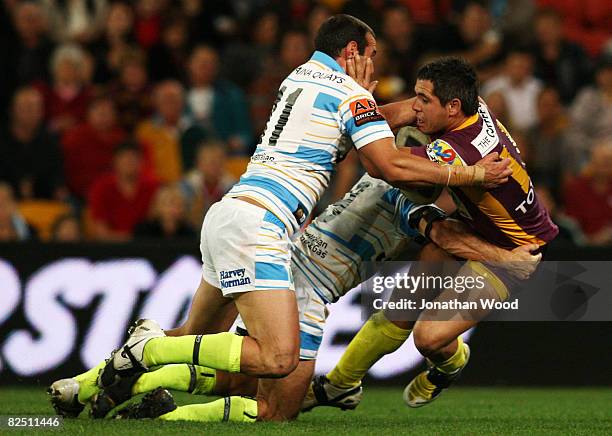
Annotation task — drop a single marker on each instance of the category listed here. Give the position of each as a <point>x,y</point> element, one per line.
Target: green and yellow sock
<point>88,382</point>
<point>377,337</point>
<point>219,351</point>
<point>180,377</point>
<point>456,361</point>
<point>234,409</point>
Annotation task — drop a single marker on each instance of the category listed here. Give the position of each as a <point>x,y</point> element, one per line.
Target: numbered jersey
<point>316,104</point>
<point>369,224</point>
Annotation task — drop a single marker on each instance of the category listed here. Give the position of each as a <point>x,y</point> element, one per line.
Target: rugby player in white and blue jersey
<point>246,237</point>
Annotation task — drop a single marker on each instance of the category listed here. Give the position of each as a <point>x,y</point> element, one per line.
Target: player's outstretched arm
<point>455,238</point>
<point>400,168</point>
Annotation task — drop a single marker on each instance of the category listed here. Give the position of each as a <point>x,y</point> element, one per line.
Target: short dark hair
<point>338,30</point>
<point>453,77</point>
<point>127,146</point>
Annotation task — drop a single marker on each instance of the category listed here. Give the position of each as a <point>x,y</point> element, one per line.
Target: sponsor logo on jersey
<point>488,138</point>
<point>441,151</point>
<point>365,111</point>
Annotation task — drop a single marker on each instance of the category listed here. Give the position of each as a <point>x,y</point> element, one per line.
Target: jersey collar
<point>328,61</point>
<point>471,120</point>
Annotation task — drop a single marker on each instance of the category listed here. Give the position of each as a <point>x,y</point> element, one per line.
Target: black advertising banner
<point>63,308</point>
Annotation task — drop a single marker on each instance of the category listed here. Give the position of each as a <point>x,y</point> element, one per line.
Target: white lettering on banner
<point>10,292</point>
<point>60,286</point>
<point>173,289</point>
<point>119,281</point>
<point>56,328</point>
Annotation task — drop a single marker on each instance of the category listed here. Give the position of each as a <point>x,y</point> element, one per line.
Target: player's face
<point>432,117</point>
<point>370,50</point>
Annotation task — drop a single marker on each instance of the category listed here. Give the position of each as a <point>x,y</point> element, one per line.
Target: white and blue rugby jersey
<point>369,224</point>
<point>292,165</point>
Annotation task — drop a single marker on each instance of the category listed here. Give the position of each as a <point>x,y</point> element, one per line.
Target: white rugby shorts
<point>244,248</point>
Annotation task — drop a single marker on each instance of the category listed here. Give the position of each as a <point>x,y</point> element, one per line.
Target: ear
<point>454,107</point>
<point>351,49</point>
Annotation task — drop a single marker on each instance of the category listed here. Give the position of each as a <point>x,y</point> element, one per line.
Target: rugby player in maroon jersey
<point>462,131</point>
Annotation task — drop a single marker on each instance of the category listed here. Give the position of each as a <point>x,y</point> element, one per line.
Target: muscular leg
<point>204,301</point>
<point>281,399</point>
<point>382,334</point>
<point>271,350</point>
<point>277,400</point>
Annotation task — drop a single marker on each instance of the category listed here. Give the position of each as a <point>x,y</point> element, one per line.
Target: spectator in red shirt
<point>588,198</point>
<point>120,200</point>
<point>88,148</point>
<point>67,98</point>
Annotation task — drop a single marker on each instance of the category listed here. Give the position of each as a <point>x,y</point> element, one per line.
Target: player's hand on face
<point>524,262</point>
<point>497,170</point>
<point>361,69</point>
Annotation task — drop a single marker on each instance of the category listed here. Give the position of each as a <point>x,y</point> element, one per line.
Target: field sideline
<point>458,411</point>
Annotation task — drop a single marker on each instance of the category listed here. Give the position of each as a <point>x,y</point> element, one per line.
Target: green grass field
<point>458,411</point>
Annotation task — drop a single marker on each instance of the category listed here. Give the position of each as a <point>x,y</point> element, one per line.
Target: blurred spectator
<point>391,87</point>
<point>496,101</point>
<point>591,114</point>
<point>168,218</point>
<point>514,19</point>
<point>428,12</point>
<point>213,22</point>
<point>558,62</point>
<point>402,43</point>
<point>208,182</point>
<point>519,87</point>
<point>216,104</point>
<point>369,11</point>
<point>548,140</point>
<point>131,92</point>
<point>161,134</point>
<point>76,20</point>
<point>68,96</point>
<point>67,228</point>
<point>12,225</point>
<point>88,148</point>
<point>472,36</point>
<point>120,200</point>
<point>587,22</point>
<point>148,22</point>
<point>29,50</point>
<point>569,230</point>
<point>167,58</point>
<point>30,159</point>
<point>294,51</point>
<point>115,41</point>
<point>258,51</point>
<point>317,16</point>
<point>588,198</point>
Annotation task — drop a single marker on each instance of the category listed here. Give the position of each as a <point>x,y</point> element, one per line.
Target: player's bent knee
<point>428,341</point>
<point>280,364</point>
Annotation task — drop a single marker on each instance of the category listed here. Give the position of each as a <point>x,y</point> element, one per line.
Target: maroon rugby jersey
<point>509,215</point>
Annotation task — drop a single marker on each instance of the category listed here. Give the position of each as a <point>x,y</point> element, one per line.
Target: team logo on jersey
<point>365,111</point>
<point>441,151</point>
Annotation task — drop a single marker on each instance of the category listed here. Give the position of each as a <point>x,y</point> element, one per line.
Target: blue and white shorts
<point>244,248</point>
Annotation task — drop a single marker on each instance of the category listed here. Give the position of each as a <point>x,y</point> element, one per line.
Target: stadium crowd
<point>129,119</point>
